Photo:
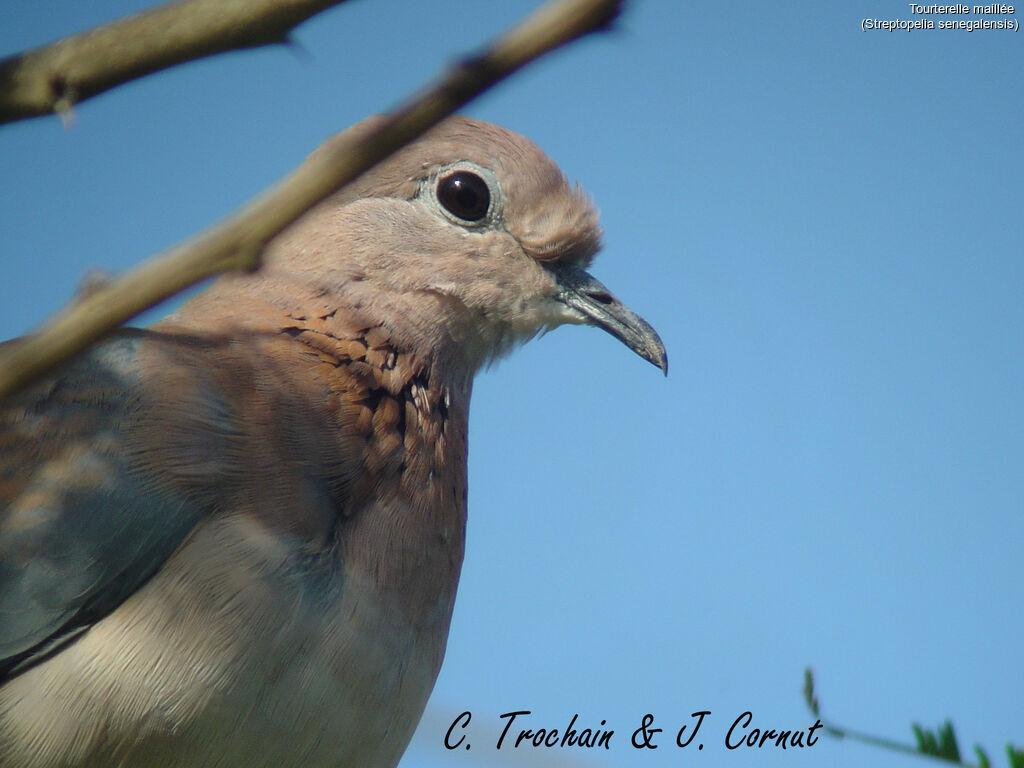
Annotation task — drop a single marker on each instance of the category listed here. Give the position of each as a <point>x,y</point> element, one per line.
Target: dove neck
<point>435,329</point>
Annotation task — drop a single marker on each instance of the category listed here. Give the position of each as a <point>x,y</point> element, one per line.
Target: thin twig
<point>841,732</point>
<point>55,77</point>
<point>237,242</point>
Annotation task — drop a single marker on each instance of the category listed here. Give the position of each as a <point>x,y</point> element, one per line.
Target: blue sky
<point>824,225</point>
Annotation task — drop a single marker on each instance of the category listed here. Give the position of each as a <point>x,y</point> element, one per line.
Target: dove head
<point>463,244</point>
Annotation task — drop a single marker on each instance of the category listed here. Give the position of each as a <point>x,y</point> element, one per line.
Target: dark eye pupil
<point>465,195</point>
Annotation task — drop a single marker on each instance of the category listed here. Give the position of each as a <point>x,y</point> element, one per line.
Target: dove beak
<point>581,291</point>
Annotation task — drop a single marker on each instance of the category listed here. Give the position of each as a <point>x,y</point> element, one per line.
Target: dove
<point>234,537</point>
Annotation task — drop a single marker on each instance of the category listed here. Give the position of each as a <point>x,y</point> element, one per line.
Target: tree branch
<point>237,242</point>
<point>54,77</point>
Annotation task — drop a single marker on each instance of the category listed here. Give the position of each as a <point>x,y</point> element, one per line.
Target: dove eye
<point>464,195</point>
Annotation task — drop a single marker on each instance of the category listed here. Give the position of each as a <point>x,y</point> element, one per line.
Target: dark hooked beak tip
<point>588,296</point>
